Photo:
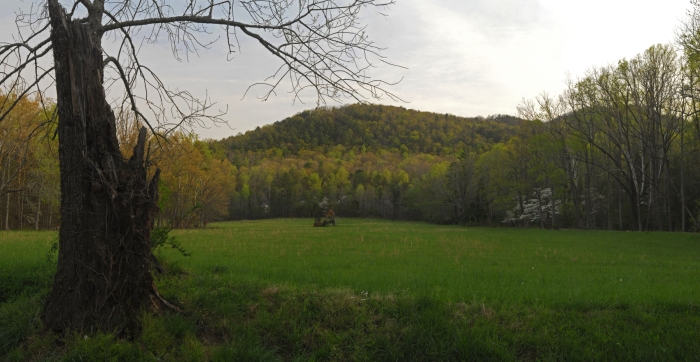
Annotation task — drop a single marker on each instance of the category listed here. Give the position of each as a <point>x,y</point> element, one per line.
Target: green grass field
<point>382,290</point>
<point>454,263</point>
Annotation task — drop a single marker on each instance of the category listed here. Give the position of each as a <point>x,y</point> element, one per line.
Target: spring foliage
<point>618,150</point>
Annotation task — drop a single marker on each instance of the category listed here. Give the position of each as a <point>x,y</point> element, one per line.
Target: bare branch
<point>320,44</point>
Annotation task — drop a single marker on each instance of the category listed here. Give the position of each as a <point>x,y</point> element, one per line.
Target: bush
<point>160,237</point>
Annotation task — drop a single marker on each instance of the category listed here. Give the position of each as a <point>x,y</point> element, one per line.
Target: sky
<point>463,57</point>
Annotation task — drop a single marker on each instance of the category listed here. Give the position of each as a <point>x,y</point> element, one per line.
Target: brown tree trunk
<point>4,172</point>
<point>7,212</point>
<point>38,213</point>
<point>7,197</point>
<point>48,226</point>
<point>20,202</point>
<point>682,175</point>
<point>104,277</point>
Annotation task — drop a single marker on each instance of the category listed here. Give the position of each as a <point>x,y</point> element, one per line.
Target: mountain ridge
<point>376,127</point>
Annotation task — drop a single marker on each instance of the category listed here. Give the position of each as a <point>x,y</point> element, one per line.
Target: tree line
<point>196,182</point>
<point>29,182</point>
<point>619,149</point>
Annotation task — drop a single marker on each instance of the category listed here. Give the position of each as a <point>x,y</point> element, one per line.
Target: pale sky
<point>464,57</point>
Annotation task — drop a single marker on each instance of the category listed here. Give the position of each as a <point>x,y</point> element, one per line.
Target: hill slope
<point>376,127</point>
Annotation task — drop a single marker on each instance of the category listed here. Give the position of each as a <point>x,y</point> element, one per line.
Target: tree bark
<point>682,174</point>
<point>48,226</point>
<point>7,211</point>
<point>104,277</point>
<point>38,213</point>
<point>20,202</point>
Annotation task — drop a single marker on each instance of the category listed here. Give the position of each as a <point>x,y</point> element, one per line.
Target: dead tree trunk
<point>107,205</point>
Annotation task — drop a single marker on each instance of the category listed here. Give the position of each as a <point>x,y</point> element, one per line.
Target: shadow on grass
<point>228,319</point>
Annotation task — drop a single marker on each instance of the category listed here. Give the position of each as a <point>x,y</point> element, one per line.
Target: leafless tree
<point>107,203</point>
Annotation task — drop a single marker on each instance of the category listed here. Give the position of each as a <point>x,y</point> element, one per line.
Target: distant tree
<point>28,169</point>
<point>462,184</point>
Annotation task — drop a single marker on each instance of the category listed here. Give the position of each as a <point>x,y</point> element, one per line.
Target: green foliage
<point>160,237</point>
<point>29,159</point>
<point>364,127</point>
<point>611,154</point>
<point>53,251</point>
<point>382,151</point>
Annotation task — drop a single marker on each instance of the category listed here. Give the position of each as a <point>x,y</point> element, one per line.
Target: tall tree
<point>630,115</point>
<point>108,202</point>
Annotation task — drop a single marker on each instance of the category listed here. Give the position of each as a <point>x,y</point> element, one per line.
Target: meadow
<point>453,263</point>
<point>384,290</point>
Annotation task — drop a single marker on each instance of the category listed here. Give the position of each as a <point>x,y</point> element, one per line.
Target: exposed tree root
<point>160,303</point>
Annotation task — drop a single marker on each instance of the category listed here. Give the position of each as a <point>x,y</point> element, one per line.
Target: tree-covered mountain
<point>367,160</point>
<point>618,150</point>
<point>376,127</point>
<point>605,154</point>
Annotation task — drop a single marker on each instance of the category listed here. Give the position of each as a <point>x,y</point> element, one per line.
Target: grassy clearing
<point>380,290</point>
<point>455,264</point>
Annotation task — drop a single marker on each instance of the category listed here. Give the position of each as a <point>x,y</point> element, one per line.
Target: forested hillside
<point>619,149</point>
<point>367,160</point>
<point>376,127</point>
